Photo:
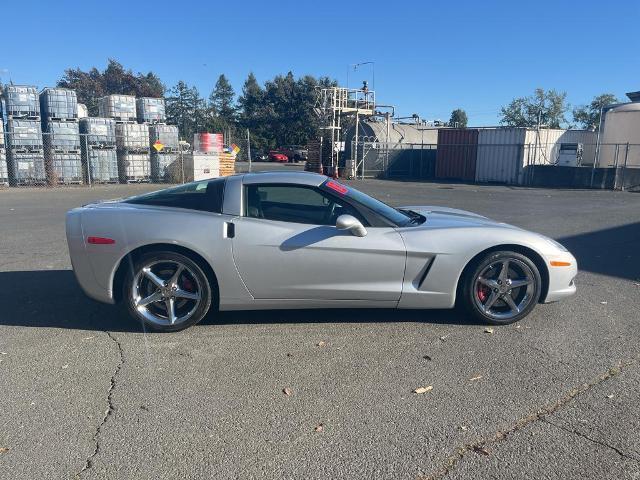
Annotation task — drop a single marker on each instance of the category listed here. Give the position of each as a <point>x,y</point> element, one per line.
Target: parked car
<point>277,156</point>
<point>260,156</point>
<point>276,240</point>
<point>296,153</point>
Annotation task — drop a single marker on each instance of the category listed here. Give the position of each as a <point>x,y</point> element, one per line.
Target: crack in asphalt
<point>592,440</point>
<point>501,435</point>
<point>110,408</point>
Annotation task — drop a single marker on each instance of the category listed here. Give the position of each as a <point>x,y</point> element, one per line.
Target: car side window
<point>295,204</point>
<point>206,195</point>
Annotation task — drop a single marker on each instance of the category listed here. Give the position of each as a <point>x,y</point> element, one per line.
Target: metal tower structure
<point>337,107</point>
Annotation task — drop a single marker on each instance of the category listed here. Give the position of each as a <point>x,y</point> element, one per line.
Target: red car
<point>275,156</point>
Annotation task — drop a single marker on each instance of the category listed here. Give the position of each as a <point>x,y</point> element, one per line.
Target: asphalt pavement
<point>85,393</point>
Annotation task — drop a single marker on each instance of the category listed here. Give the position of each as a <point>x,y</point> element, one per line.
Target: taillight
<point>100,241</point>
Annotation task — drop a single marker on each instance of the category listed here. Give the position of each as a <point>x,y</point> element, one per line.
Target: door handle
<point>230,230</point>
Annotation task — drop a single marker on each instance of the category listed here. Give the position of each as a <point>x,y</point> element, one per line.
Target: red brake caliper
<point>483,292</point>
<point>187,284</point>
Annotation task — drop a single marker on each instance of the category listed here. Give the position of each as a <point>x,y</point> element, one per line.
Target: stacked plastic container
<point>61,135</point>
<point>163,161</point>
<point>98,138</point>
<point>132,141</point>
<point>25,155</point>
<point>4,172</point>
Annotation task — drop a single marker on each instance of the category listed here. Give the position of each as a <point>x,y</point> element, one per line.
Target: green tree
<point>221,101</point>
<point>114,79</point>
<point>546,108</point>
<point>88,86</point>
<point>458,118</point>
<point>588,116</point>
<point>251,112</point>
<point>185,109</point>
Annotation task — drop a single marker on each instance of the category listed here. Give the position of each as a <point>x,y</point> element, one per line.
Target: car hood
<point>453,217</point>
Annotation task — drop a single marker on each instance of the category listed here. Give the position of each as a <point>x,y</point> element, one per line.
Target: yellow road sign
<point>158,146</point>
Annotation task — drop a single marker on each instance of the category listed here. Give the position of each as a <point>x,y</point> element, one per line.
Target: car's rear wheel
<point>501,288</point>
<point>167,291</point>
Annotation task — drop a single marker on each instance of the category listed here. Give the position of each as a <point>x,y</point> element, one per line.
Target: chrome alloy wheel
<point>504,288</point>
<point>166,292</point>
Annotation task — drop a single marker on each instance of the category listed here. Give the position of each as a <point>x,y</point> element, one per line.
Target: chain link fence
<point>583,165</point>
<point>96,151</point>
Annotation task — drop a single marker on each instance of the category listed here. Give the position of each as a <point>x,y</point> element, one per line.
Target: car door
<point>286,246</point>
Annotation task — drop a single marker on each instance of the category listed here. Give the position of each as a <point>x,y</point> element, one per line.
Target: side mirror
<point>352,224</point>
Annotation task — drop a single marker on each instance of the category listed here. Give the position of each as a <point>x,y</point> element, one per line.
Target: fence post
<point>624,167</point>
<point>249,148</point>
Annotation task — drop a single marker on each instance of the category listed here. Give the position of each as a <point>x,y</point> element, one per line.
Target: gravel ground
<point>85,394</point>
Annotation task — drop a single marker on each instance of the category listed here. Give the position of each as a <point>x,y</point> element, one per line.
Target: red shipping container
<point>457,153</point>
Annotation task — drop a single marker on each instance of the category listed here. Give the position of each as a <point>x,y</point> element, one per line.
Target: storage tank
<point>162,166</point>
<point>58,103</point>
<point>98,131</point>
<point>21,101</point>
<point>100,163</point>
<point>62,152</point>
<point>4,171</point>
<point>63,136</point>
<point>26,168</point>
<point>132,137</point>
<point>120,107</point>
<point>83,112</point>
<point>621,126</point>
<point>150,110</point>
<point>134,167</point>
<point>99,157</point>
<point>24,134</point>
<point>165,134</point>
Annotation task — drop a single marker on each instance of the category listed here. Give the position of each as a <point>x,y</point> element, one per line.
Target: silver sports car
<point>301,240</point>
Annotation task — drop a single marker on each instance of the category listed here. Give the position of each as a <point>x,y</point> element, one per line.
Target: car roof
<point>300,178</point>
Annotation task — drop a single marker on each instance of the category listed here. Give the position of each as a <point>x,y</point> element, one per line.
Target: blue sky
<point>430,57</point>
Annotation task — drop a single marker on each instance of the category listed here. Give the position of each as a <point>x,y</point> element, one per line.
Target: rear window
<point>206,196</point>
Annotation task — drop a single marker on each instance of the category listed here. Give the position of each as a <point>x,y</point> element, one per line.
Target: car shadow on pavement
<point>53,299</point>
<point>610,251</point>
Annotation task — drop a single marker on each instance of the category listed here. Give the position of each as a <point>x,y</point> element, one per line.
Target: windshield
<point>395,216</point>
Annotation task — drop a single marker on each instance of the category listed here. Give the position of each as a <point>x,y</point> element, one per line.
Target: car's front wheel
<point>167,291</point>
<point>501,288</point>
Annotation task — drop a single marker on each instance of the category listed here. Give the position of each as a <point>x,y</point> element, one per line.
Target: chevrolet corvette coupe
<point>281,240</point>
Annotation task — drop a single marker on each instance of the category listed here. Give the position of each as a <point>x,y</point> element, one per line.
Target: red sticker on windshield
<point>341,189</point>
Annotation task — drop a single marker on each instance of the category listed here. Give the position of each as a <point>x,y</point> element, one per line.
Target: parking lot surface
<point>85,393</point>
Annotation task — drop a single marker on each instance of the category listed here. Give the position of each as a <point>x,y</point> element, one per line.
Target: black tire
<point>193,276</point>
<point>475,294</point>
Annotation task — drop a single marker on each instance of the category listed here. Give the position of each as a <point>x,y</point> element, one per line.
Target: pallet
<point>124,119</point>
<point>61,119</point>
<point>25,150</point>
<point>23,116</point>
<point>133,151</point>
<point>139,180</point>
<point>101,146</point>
<point>105,182</point>
<point>62,151</point>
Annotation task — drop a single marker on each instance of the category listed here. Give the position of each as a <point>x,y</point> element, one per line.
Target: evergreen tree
<point>221,101</point>
<point>185,109</point>
<point>458,118</point>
